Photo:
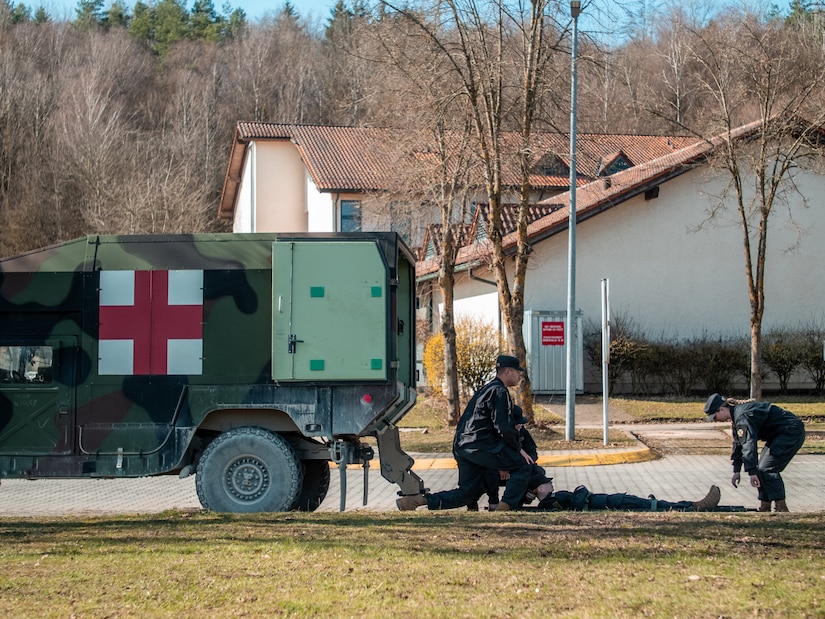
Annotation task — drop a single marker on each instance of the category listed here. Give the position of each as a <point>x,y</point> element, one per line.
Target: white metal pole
<point>605,355</point>
<point>570,338</point>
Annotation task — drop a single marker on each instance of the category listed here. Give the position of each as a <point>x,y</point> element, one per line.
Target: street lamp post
<point>570,393</point>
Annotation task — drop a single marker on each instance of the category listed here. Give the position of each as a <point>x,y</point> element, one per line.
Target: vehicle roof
<point>216,251</point>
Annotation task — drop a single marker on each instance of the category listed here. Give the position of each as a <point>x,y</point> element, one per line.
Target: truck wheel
<point>315,486</point>
<point>248,470</point>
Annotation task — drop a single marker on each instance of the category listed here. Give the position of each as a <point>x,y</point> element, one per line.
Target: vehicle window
<point>26,364</point>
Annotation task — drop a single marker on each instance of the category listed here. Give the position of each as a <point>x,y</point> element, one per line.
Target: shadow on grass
<point>562,535</point>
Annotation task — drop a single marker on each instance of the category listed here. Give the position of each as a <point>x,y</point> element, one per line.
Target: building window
<point>350,216</point>
<point>551,165</point>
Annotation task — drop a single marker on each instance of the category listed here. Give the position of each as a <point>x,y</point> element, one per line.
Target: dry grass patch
<point>425,430</point>
<point>450,564</point>
<point>811,410</point>
<point>687,410</point>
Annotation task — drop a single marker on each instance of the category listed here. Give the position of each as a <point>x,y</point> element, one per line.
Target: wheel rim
<point>247,479</point>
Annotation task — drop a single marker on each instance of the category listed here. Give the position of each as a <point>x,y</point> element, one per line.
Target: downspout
<point>430,311</point>
<point>480,279</point>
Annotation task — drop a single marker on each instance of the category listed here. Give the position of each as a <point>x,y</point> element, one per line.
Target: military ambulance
<point>251,360</point>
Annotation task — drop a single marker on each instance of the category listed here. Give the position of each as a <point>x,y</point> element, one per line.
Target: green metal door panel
<point>37,395</point>
<point>329,311</point>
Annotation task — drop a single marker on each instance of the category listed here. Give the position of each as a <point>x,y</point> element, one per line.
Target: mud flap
<point>396,464</point>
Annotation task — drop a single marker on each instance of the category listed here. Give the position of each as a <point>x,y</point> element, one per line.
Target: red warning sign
<point>552,333</point>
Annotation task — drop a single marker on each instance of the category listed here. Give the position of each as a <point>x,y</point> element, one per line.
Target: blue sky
<point>255,9</point>
<point>313,10</point>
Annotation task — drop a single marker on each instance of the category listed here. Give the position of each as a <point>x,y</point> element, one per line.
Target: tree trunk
<point>756,360</point>
<point>446,282</point>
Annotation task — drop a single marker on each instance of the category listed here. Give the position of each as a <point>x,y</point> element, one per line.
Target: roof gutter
<point>459,268</point>
<point>616,200</point>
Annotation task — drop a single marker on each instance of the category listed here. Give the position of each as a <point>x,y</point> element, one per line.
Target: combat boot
<point>710,501</point>
<point>764,506</point>
<point>410,503</point>
<point>502,507</point>
<point>780,506</point>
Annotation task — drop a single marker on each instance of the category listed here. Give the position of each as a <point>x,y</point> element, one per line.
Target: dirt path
<point>665,439</point>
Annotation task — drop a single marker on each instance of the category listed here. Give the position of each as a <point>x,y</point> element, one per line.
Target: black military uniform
<point>783,434</point>
<point>492,478</point>
<point>486,439</point>
<point>582,500</point>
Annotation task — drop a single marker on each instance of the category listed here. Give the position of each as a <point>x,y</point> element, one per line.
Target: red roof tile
<point>363,159</point>
<point>598,196</point>
<point>509,215</point>
<point>434,236</point>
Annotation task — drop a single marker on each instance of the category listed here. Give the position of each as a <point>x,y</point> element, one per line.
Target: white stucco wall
<point>320,208</point>
<point>277,193</point>
<point>483,306</point>
<point>672,275</point>
<point>244,217</point>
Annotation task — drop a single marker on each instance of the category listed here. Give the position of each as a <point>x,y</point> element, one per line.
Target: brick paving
<point>669,478</point>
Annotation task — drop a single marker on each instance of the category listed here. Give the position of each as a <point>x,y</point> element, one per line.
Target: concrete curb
<point>595,458</point>
<point>557,458</point>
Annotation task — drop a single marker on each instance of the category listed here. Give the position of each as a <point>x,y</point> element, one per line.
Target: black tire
<point>249,470</point>
<point>315,486</point>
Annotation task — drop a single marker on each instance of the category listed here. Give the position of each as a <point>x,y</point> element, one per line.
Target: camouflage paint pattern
<point>61,416</point>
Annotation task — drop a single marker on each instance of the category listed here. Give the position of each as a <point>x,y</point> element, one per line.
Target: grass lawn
<point>448,564</point>
<point>811,410</point>
<point>425,428</point>
<point>684,410</point>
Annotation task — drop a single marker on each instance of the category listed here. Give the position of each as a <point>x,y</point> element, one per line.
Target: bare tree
<point>30,63</point>
<point>750,69</point>
<point>486,44</point>
<point>93,130</point>
<point>534,54</point>
<point>346,78</point>
<point>271,72</point>
<point>191,138</point>
<point>450,172</point>
<point>674,53</point>
<point>432,162</point>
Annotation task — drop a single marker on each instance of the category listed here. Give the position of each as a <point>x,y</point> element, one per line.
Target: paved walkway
<point>633,469</point>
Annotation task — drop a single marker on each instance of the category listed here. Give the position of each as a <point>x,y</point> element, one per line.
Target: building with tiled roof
<point>644,207</point>
<point>434,238</point>
<point>309,178</point>
<point>673,257</point>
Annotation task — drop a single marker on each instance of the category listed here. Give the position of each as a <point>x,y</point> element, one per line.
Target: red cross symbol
<point>151,322</point>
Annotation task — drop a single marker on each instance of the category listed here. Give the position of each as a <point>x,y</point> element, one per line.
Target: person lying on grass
<point>581,499</point>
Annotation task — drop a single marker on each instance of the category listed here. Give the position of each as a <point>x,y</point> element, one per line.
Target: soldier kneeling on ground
<point>581,499</point>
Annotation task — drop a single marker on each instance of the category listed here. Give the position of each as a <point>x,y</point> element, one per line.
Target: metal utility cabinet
<point>544,337</point>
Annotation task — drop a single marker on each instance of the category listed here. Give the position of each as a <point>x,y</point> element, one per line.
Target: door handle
<point>293,342</point>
